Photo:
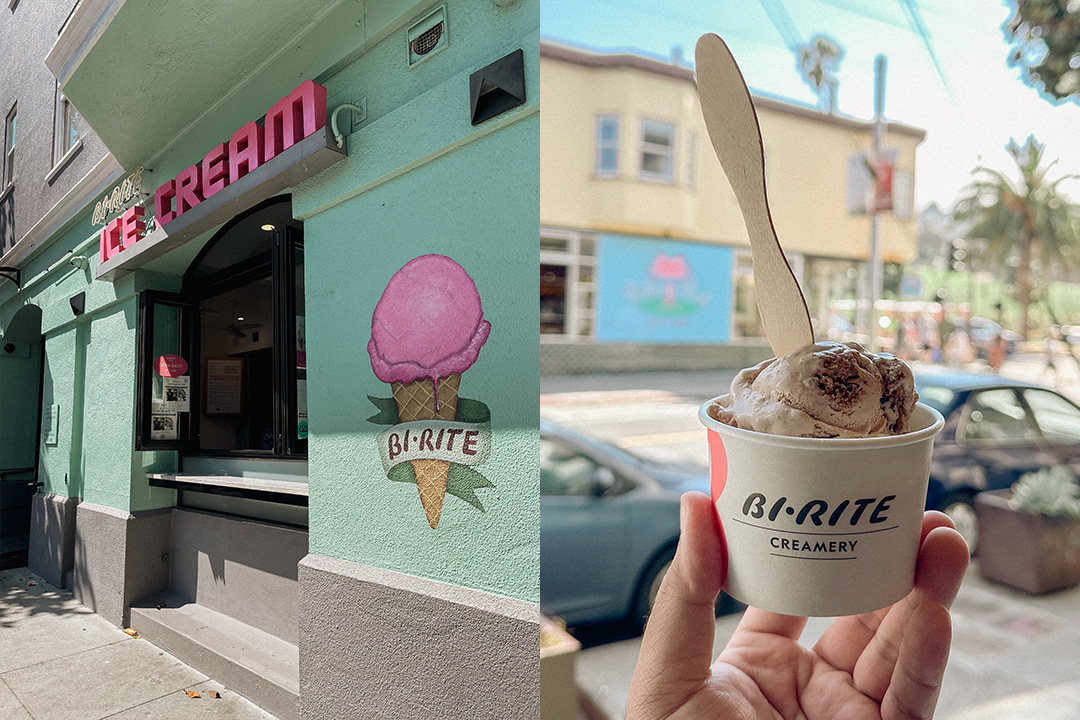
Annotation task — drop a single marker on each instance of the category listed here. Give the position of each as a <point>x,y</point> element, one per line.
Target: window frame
<point>646,147</point>
<point>10,126</point>
<point>62,151</point>
<point>603,144</point>
<point>278,264</point>
<point>148,299</point>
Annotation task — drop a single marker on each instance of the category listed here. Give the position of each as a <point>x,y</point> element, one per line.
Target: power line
<point>783,23</point>
<point>911,9</point>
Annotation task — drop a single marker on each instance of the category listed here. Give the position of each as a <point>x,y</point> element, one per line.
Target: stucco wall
<point>420,179</point>
<point>25,79</point>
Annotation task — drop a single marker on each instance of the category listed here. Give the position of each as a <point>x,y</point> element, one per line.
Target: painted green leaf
<point>387,415</point>
<point>403,472</point>
<point>462,481</point>
<point>472,411</point>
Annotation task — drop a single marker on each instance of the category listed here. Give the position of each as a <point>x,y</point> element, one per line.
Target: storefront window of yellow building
<point>567,284</point>
<point>746,321</point>
<point>607,146</point>
<point>657,151</point>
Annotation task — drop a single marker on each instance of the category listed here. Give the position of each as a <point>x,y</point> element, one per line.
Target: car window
<point>936,397</point>
<point>1058,418</point>
<point>997,416</point>
<point>564,470</point>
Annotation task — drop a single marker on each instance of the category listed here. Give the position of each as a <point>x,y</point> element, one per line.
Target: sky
<point>970,101</point>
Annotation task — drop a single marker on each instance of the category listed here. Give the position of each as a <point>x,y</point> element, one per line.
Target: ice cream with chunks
<point>824,390</point>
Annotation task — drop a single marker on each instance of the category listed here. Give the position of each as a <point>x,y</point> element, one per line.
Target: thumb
<point>676,650</point>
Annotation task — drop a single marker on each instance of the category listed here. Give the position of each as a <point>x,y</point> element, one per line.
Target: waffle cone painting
<point>426,331</point>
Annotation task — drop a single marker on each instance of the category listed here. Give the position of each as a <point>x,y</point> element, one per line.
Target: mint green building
<point>202,205</point>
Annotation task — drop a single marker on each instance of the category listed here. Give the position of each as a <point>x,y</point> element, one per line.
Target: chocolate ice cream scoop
<point>826,390</point>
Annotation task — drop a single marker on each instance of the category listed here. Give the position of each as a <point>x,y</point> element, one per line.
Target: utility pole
<point>874,260</point>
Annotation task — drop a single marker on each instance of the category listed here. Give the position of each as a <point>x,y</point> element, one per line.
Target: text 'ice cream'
<point>824,390</point>
<point>426,330</point>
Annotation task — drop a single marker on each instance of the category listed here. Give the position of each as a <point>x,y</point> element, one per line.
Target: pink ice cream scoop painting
<point>427,329</point>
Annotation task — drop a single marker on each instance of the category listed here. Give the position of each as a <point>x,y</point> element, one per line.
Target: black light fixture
<point>498,87</point>
<point>78,304</point>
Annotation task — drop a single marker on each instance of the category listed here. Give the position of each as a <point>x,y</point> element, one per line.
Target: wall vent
<point>428,36</point>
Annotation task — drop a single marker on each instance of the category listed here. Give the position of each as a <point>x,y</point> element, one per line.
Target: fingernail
<point>684,509</point>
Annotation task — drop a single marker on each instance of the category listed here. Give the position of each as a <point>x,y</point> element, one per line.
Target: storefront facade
<point>211,353</point>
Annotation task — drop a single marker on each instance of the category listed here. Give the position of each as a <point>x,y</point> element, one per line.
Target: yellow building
<point>642,240</point>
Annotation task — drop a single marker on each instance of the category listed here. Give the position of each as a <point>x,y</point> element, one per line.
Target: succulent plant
<point>1051,491</point>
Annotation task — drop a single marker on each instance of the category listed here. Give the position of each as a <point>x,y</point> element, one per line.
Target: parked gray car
<point>609,523</point>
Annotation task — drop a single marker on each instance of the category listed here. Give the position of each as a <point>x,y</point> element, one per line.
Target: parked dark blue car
<point>609,523</point>
<point>995,431</point>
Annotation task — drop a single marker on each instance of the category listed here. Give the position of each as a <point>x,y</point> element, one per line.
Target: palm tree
<point>818,62</point>
<point>1027,219</point>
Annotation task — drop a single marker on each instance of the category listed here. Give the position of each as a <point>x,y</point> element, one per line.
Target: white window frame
<point>691,159</point>
<point>577,317</point>
<point>10,126</point>
<point>603,143</point>
<point>61,151</point>
<point>649,148</point>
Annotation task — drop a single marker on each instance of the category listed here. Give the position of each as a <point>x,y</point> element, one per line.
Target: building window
<point>657,151</point>
<point>607,146</point>
<point>239,325</point>
<point>9,147</point>
<point>567,284</point>
<point>68,122</point>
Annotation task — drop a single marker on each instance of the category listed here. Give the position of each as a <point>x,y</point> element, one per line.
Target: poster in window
<point>163,426</point>
<point>224,386</point>
<point>175,395</point>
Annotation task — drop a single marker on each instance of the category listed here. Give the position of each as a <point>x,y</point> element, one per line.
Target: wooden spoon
<point>736,138</point>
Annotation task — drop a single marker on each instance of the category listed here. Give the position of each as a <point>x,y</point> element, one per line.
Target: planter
<point>558,684</point>
<point>1030,552</point>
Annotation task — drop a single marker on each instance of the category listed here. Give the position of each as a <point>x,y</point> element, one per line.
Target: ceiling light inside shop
<point>267,227</point>
<point>239,318</point>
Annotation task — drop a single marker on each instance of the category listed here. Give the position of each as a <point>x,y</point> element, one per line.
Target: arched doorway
<point>21,365</point>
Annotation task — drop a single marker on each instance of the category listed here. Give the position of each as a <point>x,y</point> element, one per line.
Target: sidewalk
<point>60,661</point>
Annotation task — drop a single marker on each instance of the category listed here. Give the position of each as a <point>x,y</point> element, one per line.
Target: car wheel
<point>960,508</point>
<point>649,585</point>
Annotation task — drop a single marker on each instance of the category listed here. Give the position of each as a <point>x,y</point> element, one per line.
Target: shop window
<point>552,299</point>
<point>9,147</point>
<point>657,151</point>
<point>607,146</point>
<point>567,284</point>
<point>239,325</point>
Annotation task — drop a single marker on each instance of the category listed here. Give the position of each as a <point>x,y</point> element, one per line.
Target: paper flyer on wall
<point>163,426</point>
<point>176,393</point>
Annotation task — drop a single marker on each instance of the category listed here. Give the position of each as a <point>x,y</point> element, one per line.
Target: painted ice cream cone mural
<point>427,329</point>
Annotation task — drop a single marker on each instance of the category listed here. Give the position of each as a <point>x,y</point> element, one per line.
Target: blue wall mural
<point>653,290</point>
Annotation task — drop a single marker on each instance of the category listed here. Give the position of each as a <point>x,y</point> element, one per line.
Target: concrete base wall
<point>588,358</point>
<point>119,558</point>
<point>456,652</point>
<point>52,536</point>
<point>241,568</point>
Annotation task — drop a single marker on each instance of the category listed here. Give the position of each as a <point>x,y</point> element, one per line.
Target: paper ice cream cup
<point>820,527</point>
